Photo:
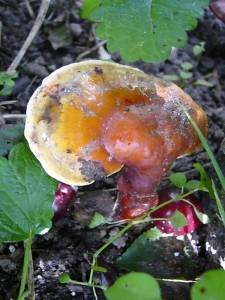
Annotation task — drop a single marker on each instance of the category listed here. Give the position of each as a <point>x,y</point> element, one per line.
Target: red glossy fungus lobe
<point>168,211</point>
<point>146,140</point>
<point>64,196</point>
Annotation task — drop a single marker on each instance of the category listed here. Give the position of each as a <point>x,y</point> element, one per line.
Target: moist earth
<point>66,38</point>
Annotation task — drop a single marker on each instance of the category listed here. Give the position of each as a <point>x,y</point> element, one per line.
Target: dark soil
<point>63,248</point>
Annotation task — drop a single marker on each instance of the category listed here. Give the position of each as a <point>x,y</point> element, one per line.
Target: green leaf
<point>178,220</point>
<point>205,180</point>
<point>219,203</point>
<point>6,82</point>
<point>65,278</point>
<point>154,252</point>
<point>178,179</point>
<point>137,255</point>
<point>138,286</point>
<point>6,90</point>
<point>171,77</point>
<point>202,217</point>
<point>210,286</point>
<point>186,75</point>
<point>88,7</point>
<point>97,220</point>
<point>192,185</point>
<point>99,269</point>
<point>146,29</point>
<point>26,196</point>
<point>186,66</point>
<point>9,137</point>
<point>203,82</point>
<point>204,177</point>
<point>198,49</point>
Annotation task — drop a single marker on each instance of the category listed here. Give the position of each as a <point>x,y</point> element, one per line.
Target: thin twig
<point>40,18</point>
<point>8,102</point>
<point>0,33</point>
<point>29,8</point>
<point>85,53</point>
<point>14,116</point>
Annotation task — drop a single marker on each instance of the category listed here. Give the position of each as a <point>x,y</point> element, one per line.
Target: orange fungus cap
<point>67,113</point>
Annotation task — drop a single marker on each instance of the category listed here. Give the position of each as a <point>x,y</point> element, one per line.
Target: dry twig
<point>29,8</point>
<point>85,53</point>
<point>40,18</point>
<point>13,116</point>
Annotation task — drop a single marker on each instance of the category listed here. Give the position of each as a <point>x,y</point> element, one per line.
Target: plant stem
<point>26,261</point>
<point>127,227</point>
<point>122,231</point>
<point>205,145</point>
<point>135,221</point>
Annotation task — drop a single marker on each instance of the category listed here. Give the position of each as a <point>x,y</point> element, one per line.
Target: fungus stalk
<point>146,139</point>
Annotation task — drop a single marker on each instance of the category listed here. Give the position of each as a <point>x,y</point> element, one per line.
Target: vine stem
<point>26,263</point>
<point>115,237</point>
<point>126,228</point>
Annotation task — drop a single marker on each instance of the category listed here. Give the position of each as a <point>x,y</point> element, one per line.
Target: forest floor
<point>65,38</point>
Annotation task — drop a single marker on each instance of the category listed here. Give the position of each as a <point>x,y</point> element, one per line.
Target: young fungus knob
<point>87,120</point>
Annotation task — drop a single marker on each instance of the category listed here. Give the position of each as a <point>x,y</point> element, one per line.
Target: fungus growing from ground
<point>91,119</point>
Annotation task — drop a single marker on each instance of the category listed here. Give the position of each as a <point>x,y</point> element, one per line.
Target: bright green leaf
<point>205,180</point>
<point>6,82</point>
<point>138,286</point>
<point>97,220</point>
<point>171,77</point>
<point>192,185</point>
<point>5,91</point>
<point>178,220</point>
<point>198,49</point>
<point>9,137</point>
<point>146,29</point>
<point>26,196</point>
<point>186,75</point>
<point>65,278</point>
<point>203,82</point>
<point>210,286</point>
<point>88,7</point>
<point>178,179</point>
<point>99,269</point>
<point>186,66</point>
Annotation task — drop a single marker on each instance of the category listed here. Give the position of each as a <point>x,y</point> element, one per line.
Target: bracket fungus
<point>95,118</point>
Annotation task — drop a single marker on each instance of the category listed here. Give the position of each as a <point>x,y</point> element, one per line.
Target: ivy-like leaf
<point>146,29</point>
<point>88,7</point>
<point>178,220</point>
<point>138,286</point>
<point>154,253</point>
<point>26,196</point>
<point>210,286</point>
<point>7,82</point>
<point>97,220</point>
<point>193,184</point>
<point>178,179</point>
<point>10,135</point>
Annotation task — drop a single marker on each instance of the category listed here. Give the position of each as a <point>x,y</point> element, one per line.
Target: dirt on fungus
<point>62,249</point>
